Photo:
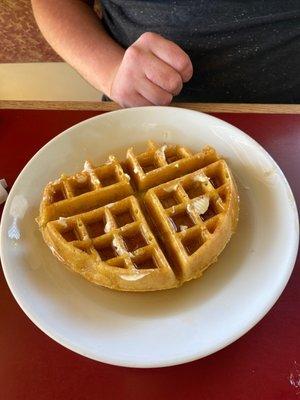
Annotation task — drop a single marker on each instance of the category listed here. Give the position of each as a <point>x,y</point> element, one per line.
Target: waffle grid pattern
<point>117,234</point>
<point>105,213</point>
<point>178,205</point>
<point>89,180</point>
<point>84,191</point>
<point>165,163</point>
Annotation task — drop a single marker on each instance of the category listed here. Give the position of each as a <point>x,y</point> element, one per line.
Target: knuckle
<point>173,83</point>
<point>147,37</point>
<point>132,53</point>
<point>183,63</point>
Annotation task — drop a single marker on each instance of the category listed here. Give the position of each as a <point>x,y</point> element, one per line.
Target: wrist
<point>107,69</point>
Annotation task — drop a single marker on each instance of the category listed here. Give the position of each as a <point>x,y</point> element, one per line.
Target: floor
<point>20,37</point>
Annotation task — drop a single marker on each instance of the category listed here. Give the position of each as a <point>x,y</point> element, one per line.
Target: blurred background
<point>28,65</point>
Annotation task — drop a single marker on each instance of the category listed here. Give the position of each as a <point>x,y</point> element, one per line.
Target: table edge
<point>110,106</point>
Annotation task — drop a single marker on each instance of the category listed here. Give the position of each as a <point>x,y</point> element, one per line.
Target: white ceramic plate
<point>169,327</point>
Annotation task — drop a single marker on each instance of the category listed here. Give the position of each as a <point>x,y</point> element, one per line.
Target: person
<point>151,52</point>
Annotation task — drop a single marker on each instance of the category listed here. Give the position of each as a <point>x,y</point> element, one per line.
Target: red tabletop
<point>263,364</point>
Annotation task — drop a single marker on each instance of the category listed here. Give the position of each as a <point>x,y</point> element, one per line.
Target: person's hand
<point>152,71</point>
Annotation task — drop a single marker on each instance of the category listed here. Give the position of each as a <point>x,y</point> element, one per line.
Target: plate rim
<point>178,359</point>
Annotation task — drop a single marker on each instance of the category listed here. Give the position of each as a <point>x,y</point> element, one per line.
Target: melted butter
<point>200,178</point>
<point>111,159</point>
<point>81,178</point>
<point>172,224</point>
<point>161,152</point>
<point>109,223</point>
<point>135,277</point>
<point>87,167</point>
<point>63,222</point>
<point>55,253</point>
<point>119,247</point>
<point>171,188</point>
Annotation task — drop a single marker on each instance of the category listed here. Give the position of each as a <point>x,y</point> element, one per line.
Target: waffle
<point>151,222</point>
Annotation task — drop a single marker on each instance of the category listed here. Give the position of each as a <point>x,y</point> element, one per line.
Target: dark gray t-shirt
<point>242,51</point>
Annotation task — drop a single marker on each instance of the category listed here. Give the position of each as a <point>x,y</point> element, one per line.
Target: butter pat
<point>199,205</point>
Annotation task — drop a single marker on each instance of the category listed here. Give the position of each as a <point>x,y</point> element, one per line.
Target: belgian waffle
<point>151,222</point>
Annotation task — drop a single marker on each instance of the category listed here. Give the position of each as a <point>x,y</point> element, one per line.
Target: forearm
<point>76,34</point>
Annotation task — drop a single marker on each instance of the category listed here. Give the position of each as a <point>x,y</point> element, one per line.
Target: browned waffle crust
<point>152,222</point>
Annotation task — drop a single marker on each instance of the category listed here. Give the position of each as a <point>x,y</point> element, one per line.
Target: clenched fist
<point>151,72</point>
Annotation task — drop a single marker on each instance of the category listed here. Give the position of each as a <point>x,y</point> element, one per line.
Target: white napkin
<point>3,192</point>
